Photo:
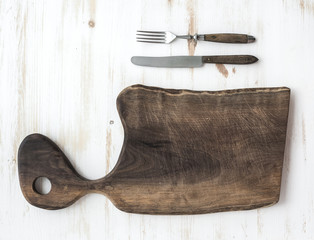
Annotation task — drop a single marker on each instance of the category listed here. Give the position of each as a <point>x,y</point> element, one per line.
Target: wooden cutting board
<point>184,152</point>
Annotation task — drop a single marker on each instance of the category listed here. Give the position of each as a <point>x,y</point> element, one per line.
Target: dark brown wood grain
<point>227,38</point>
<point>184,152</point>
<point>230,59</point>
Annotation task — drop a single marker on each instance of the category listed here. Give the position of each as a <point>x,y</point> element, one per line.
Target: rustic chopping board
<point>184,152</point>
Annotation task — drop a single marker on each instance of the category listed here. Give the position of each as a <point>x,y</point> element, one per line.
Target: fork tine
<point>150,32</point>
<point>151,35</point>
<point>150,41</point>
<point>151,38</point>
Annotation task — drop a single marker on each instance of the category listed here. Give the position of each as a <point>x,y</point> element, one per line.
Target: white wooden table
<point>63,63</point>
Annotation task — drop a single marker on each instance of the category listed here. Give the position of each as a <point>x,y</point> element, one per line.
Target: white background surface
<point>60,77</point>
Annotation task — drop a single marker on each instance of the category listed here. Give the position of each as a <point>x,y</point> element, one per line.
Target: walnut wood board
<point>184,152</point>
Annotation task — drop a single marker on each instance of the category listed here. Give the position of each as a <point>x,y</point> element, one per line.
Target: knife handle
<point>230,59</point>
<point>229,38</point>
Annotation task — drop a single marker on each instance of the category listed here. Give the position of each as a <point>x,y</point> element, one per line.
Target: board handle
<point>38,156</point>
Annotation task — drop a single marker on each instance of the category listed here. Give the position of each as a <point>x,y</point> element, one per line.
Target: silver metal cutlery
<point>191,61</point>
<point>168,37</point>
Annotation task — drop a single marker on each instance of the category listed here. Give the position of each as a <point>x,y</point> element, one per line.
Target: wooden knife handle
<point>229,38</point>
<point>230,59</point>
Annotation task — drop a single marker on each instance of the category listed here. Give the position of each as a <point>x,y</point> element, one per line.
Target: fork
<point>168,37</point>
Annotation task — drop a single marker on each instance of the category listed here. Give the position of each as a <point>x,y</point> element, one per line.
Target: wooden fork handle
<point>229,38</point>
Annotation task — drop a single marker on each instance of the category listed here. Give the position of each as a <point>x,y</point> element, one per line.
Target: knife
<point>191,61</point>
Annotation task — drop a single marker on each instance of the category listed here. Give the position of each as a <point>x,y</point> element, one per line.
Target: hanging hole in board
<point>42,185</point>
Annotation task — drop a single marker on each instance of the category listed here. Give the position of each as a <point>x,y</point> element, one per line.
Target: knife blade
<point>191,61</point>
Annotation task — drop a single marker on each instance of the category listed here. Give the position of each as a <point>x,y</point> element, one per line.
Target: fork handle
<point>229,38</point>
